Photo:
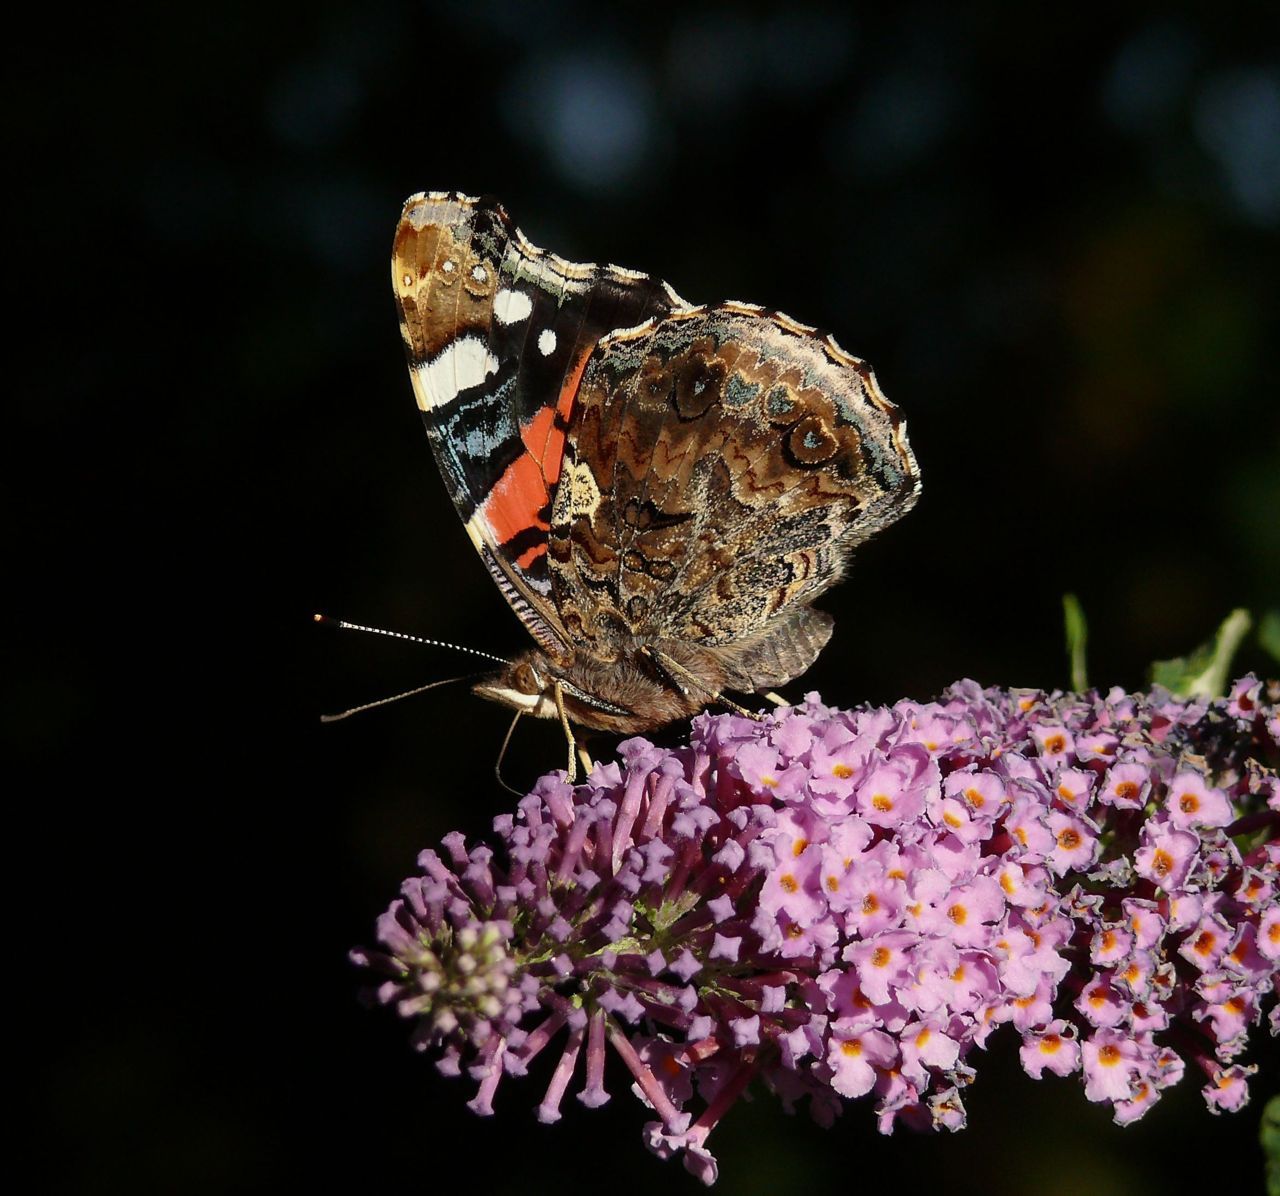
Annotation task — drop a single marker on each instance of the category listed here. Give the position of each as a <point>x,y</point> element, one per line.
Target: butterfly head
<point>527,684</point>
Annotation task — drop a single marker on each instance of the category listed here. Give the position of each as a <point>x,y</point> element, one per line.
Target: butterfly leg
<point>776,699</point>
<point>502,755</point>
<point>584,741</point>
<point>568,734</point>
<point>676,669</point>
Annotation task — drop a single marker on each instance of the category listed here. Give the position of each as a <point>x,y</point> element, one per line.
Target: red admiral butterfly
<point>660,490</point>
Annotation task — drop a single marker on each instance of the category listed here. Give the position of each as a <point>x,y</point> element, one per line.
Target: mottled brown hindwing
<point>722,464</point>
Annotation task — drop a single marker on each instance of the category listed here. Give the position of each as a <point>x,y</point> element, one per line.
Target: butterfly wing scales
<point>723,464</point>
<point>497,333</point>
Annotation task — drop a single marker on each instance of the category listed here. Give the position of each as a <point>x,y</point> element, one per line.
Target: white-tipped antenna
<point>408,693</point>
<point>343,625</point>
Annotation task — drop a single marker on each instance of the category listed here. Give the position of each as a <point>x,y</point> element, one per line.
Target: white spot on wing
<point>510,306</point>
<point>457,367</point>
<point>546,342</point>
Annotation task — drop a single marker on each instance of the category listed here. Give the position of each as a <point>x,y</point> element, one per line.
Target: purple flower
<point>856,1058</point>
<point>1193,803</point>
<point>844,903</point>
<point>1112,1061</point>
<point>1053,1047</point>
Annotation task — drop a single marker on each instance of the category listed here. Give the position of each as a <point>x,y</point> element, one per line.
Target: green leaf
<point>1269,633</point>
<point>1269,1133</point>
<point>1077,636</point>
<point>1205,672</point>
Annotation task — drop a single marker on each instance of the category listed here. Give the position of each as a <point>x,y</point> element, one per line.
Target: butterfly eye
<point>525,678</point>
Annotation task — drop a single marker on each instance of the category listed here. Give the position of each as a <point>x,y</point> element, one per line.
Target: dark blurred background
<point>1051,229</point>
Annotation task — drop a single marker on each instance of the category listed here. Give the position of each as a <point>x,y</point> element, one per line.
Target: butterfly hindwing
<point>722,465</point>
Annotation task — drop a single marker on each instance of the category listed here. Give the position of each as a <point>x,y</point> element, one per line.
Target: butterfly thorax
<point>643,688</point>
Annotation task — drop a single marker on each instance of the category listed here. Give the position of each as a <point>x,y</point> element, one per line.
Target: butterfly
<point>659,489</point>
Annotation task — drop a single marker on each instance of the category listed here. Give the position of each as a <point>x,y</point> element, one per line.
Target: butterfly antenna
<point>502,752</point>
<point>343,625</point>
<point>408,693</point>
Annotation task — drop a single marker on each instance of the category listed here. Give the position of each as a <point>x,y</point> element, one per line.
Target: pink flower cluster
<point>847,903</point>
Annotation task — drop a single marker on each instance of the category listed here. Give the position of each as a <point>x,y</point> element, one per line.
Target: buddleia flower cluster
<point>847,904</point>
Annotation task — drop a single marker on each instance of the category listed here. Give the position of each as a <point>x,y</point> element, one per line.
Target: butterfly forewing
<point>497,333</point>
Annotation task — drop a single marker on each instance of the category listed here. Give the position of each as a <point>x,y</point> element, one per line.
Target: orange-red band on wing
<point>522,494</point>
